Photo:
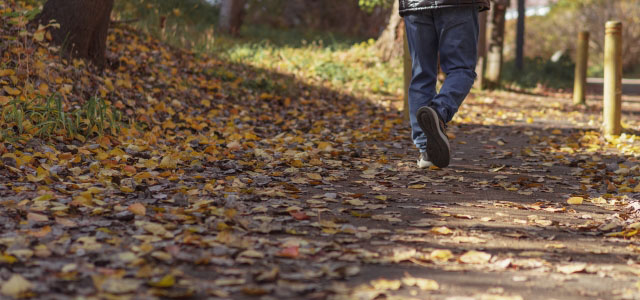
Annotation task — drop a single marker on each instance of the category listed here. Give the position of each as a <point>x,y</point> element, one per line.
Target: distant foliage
<point>370,5</point>
<point>189,11</point>
<point>559,30</point>
<point>182,23</point>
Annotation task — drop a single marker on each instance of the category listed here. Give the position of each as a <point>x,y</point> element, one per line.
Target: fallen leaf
<point>441,231</point>
<point>16,286</point>
<point>34,217</point>
<point>475,257</point>
<point>165,282</point>
<point>575,200</point>
<point>571,268</point>
<point>137,209</point>
<point>289,252</point>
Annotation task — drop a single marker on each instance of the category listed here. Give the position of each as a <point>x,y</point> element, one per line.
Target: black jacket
<point>409,6</point>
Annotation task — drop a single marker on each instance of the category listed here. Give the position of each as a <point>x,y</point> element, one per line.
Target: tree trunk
<point>231,16</point>
<point>390,41</point>
<point>482,51</point>
<point>520,35</point>
<point>496,43</point>
<point>83,27</point>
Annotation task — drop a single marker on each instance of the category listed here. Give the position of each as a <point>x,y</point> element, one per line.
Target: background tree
<point>549,34</point>
<point>83,27</point>
<point>231,16</point>
<point>390,41</point>
<point>522,15</point>
<point>496,42</point>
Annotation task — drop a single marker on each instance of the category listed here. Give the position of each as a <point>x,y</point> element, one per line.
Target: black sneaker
<point>438,148</point>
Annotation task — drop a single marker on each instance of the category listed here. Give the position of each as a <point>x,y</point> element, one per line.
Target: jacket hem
<point>408,11</point>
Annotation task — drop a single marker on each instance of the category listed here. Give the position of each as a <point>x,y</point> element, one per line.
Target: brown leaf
<point>34,217</point>
<point>137,209</point>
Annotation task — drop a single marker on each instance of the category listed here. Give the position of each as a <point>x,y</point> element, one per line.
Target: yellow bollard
<point>612,78</point>
<point>582,58</point>
<point>407,76</point>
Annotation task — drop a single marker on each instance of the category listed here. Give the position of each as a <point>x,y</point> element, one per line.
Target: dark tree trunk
<point>520,35</point>
<point>83,27</point>
<point>496,43</point>
<point>390,41</point>
<point>231,16</point>
<point>482,50</point>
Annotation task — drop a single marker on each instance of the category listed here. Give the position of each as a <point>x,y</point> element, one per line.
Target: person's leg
<point>457,30</point>
<point>423,46</point>
<point>458,40</point>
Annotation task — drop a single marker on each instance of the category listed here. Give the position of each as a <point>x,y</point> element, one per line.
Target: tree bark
<point>390,41</point>
<point>482,50</point>
<point>83,27</point>
<point>496,43</point>
<point>231,16</point>
<point>520,35</point>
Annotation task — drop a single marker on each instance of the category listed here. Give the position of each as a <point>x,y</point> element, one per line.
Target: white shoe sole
<point>423,164</point>
<point>438,148</point>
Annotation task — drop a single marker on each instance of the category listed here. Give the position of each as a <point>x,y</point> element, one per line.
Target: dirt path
<point>495,225</point>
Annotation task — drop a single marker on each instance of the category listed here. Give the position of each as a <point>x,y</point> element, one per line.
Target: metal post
<point>612,78</point>
<point>407,76</point>
<point>580,80</point>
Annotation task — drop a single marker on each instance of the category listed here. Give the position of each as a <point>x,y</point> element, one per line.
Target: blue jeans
<point>453,34</point>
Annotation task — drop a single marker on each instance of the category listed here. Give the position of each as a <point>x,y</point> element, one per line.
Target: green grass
<point>47,118</point>
<point>345,63</point>
<point>539,71</point>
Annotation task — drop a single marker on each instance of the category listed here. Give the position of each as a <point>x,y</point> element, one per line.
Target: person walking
<point>448,29</point>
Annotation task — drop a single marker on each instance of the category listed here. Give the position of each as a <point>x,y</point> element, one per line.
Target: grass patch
<point>345,63</point>
<point>46,118</point>
<point>345,66</point>
<point>539,71</point>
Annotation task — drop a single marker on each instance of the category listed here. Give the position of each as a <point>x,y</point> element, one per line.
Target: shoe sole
<point>424,165</point>
<point>438,147</point>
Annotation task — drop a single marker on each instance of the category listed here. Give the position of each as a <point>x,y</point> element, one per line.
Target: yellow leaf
<point>441,255</point>
<point>126,189</point>
<point>38,36</point>
<point>384,284</point>
<point>168,162</point>
<point>475,257</point>
<point>11,91</point>
<point>6,72</point>
<point>422,283</point>
<point>441,230</point>
<point>45,197</point>
<point>417,186</point>
<point>314,176</point>
<point>324,146</point>
<point>7,259</point>
<point>16,286</point>
<point>297,163</point>
<point>355,202</point>
<point>166,282</point>
<point>575,200</point>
